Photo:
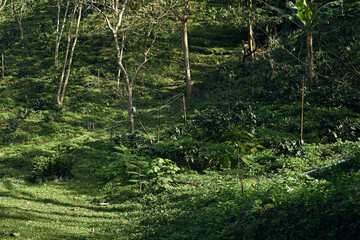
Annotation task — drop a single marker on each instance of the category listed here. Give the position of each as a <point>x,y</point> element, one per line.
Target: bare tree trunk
<point>18,18</point>
<point>251,33</point>
<point>186,59</point>
<point>181,9</point>
<point>69,36</point>
<point>59,31</point>
<point>130,110</point>
<point>310,59</point>
<point>128,82</point>
<point>62,87</point>
<point>118,84</point>
<point>119,57</point>
<point>118,12</point>
<point>2,4</point>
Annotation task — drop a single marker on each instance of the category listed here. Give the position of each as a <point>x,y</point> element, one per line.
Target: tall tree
<point>308,18</point>
<point>130,22</point>
<point>18,14</point>
<point>60,29</point>
<point>64,80</point>
<point>181,9</point>
<point>250,30</point>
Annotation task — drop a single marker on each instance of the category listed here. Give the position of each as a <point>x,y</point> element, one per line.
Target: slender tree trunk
<point>128,85</point>
<point>129,81</point>
<point>59,31</point>
<point>62,89</point>
<point>2,4</point>
<point>130,111</point>
<point>119,57</point>
<point>186,60</point>
<point>69,37</point>
<point>186,51</point>
<point>118,84</point>
<point>310,59</point>
<point>57,34</point>
<point>18,18</point>
<point>251,33</point>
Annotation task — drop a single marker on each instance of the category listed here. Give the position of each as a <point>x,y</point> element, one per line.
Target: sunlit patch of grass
<point>50,211</point>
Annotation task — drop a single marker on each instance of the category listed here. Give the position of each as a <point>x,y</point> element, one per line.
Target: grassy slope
<point>208,206</point>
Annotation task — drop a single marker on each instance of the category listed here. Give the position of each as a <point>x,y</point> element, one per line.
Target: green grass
<point>280,202</point>
<point>52,211</point>
<point>193,206</point>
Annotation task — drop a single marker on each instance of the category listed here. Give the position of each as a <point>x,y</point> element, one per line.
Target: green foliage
<point>211,123</point>
<point>185,153</point>
<point>240,144</point>
<point>289,148</point>
<point>304,12</point>
<point>123,167</point>
<point>133,141</point>
<point>51,168</point>
<point>147,197</point>
<point>161,172</point>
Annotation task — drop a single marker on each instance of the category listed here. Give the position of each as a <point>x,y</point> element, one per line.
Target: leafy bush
<point>15,124</point>
<point>289,148</point>
<point>335,96</point>
<point>53,166</point>
<point>122,167</point>
<point>133,141</point>
<point>191,154</point>
<point>279,91</point>
<point>211,123</point>
<point>344,129</point>
<point>40,104</point>
<point>160,171</point>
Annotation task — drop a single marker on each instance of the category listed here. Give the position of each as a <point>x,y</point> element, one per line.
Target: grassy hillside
<point>75,173</point>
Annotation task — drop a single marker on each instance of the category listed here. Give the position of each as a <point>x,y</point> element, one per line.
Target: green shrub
<point>160,171</point>
<point>46,167</point>
<point>188,153</point>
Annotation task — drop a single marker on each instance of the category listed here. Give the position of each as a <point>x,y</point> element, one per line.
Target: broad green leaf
<point>254,150</point>
<point>135,173</point>
<point>328,6</point>
<point>304,12</point>
<point>245,161</point>
<point>133,181</point>
<point>292,8</point>
<point>130,165</point>
<point>328,10</point>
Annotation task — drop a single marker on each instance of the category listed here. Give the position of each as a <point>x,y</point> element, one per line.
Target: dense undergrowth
<point>74,172</point>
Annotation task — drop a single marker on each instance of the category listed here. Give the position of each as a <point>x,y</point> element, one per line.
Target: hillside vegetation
<point>259,139</point>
